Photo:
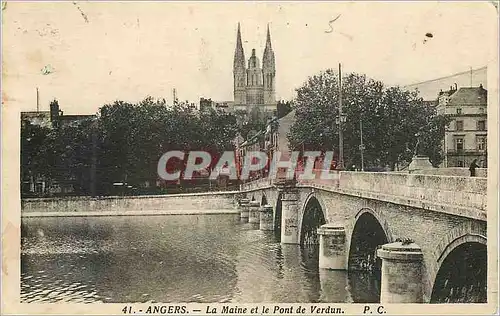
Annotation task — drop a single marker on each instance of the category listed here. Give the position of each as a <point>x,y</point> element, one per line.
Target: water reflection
<point>364,286</point>
<point>188,258</point>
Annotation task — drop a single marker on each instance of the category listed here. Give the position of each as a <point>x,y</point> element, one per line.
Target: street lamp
<point>341,119</point>
<point>361,146</point>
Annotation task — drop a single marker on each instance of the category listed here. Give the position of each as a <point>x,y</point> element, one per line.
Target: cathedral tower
<point>269,71</point>
<point>254,85</point>
<point>255,95</point>
<point>239,71</point>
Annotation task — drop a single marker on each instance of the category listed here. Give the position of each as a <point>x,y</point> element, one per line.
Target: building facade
<point>224,106</point>
<point>254,85</point>
<point>466,136</point>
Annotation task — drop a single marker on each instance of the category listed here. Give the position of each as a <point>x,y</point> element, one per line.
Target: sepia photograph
<point>249,157</point>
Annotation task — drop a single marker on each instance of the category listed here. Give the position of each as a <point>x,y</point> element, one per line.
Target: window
<point>459,144</point>
<point>459,111</point>
<point>459,125</point>
<point>481,125</point>
<point>481,143</point>
<point>481,110</point>
<point>460,163</point>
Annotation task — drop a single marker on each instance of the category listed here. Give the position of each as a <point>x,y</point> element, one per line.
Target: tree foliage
<point>254,120</point>
<point>33,161</point>
<point>391,118</point>
<point>125,140</point>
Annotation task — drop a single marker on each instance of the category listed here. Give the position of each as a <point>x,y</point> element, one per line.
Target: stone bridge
<point>422,236</point>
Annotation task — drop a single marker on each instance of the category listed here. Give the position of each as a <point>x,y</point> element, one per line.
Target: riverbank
<point>174,204</point>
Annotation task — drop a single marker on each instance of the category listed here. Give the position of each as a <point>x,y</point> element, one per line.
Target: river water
<point>175,258</point>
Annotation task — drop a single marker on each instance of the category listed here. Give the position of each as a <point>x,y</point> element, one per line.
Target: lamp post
<point>361,146</point>
<point>341,119</point>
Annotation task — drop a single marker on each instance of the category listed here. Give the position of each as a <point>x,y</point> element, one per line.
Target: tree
<point>432,137</point>
<point>391,118</point>
<point>255,120</point>
<point>135,136</point>
<point>34,163</point>
<point>68,149</point>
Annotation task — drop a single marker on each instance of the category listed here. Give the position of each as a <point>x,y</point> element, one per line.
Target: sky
<point>87,54</point>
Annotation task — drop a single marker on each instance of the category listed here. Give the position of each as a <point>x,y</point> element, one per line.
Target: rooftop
<point>429,89</point>
<point>34,113</point>
<point>474,95</point>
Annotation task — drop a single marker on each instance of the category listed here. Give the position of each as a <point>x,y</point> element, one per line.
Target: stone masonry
<point>438,213</point>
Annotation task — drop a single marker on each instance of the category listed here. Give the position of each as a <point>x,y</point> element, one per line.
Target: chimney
<point>456,86</point>
<point>481,86</point>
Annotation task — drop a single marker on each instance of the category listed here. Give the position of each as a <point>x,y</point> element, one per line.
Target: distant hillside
<point>429,89</point>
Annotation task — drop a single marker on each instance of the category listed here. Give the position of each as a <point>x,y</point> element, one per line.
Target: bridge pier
<point>253,212</point>
<point>266,218</point>
<point>332,248</point>
<point>244,210</point>
<point>289,216</point>
<point>401,273</point>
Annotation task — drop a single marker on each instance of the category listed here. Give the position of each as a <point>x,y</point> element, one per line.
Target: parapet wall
<point>459,191</point>
<point>215,202</point>
<point>458,172</point>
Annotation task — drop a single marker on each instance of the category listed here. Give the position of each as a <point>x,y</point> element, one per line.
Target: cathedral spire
<point>268,58</point>
<point>268,39</point>
<point>239,55</point>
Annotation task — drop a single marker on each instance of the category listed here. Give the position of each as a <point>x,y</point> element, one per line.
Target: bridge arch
<point>461,270</point>
<point>313,215</point>
<point>370,231</point>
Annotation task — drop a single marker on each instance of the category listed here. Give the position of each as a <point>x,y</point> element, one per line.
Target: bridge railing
<point>460,191</point>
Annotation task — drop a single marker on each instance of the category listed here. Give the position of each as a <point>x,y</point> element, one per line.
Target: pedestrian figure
<point>473,167</point>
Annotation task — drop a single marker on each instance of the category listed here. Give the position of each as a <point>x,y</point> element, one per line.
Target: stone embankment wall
<point>195,203</point>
